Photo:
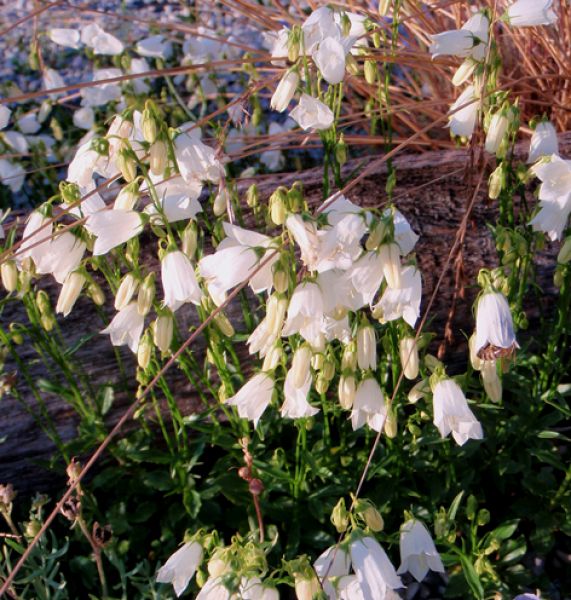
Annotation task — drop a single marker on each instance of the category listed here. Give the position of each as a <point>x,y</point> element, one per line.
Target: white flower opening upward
<point>417,550</point>
<point>181,567</point>
<point>452,413</point>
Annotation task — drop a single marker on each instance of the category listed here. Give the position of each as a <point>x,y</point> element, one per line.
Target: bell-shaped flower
<point>405,237</point>
<point>29,124</point>
<point>103,93</point>
<point>103,43</point>
<point>36,238</point>
<point>305,313</point>
<point>452,413</point>
<point>530,13</point>
<point>5,113</point>
<point>554,196</point>
<point>155,46</point>
<point>253,589</point>
<point>366,277</point>
<point>494,323</point>
<point>375,573</point>
<point>332,563</point>
<point>463,120</point>
<point>126,327</point>
<point>69,293</point>
<point>61,256</point>
<point>236,260</point>
<point>69,38</point>
<point>369,406</point>
<point>178,200</point>
<point>417,551</point>
<point>311,113</point>
<point>471,40</point>
<point>52,80</point>
<point>179,280</point>
<point>253,397</point>
<point>113,228</point>
<point>295,404</point>
<point>496,132</point>
<point>340,244</point>
<point>84,117</point>
<point>329,58</point>
<point>196,160</point>
<point>285,91</point>
<point>543,142</point>
<point>403,301</point>
<point>12,175</point>
<point>261,340</point>
<point>318,26</point>
<point>181,567</point>
<point>304,232</point>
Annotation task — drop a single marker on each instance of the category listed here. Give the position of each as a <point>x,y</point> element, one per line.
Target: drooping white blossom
<point>494,323</point>
<point>530,13</point>
<point>375,573</point>
<point>463,121</point>
<point>403,301</point>
<point>311,113</point>
<point>332,563</point>
<point>126,327</point>
<point>196,160</point>
<point>253,397</point>
<point>470,41</point>
<point>179,281</point>
<point>543,142</point>
<point>112,228</point>
<point>181,567</point>
<point>330,60</point>
<point>369,406</point>
<point>305,313</point>
<point>295,404</point>
<point>418,552</point>
<point>452,413</point>
<point>285,91</point>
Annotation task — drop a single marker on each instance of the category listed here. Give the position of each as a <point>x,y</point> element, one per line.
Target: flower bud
<point>349,359</point>
<point>9,273</point>
<point>69,293</point>
<point>340,516</point>
<point>272,358</point>
<point>146,295</point>
<point>127,165</point>
<point>300,365</point>
<point>564,255</point>
<point>317,361</point>
<point>252,196</point>
<point>390,258</point>
<point>366,348</point>
<point>347,389</point>
<point>409,357</point>
<point>391,428</point>
<point>280,281</point>
<point>278,206</point>
<point>127,197</point>
<point>275,314</point>
<point>373,518</point>
<point>464,72</point>
<point>321,384</point>
<point>293,45</point>
<point>496,132</point>
<point>144,351</point>
<point>96,293</point>
<point>306,589</point>
<point>492,381</point>
<point>43,303</point>
<point>127,288</point>
<point>352,65</point>
<point>220,202</point>
<point>223,323</point>
<point>328,370</point>
<point>163,332</point>
<point>190,239</point>
<point>285,91</point>
<point>149,126</point>
<point>69,192</point>
<point>370,69</point>
<point>48,322</point>
<point>474,358</point>
<point>158,157</point>
<point>341,150</point>
<point>496,182</point>
<point>418,391</point>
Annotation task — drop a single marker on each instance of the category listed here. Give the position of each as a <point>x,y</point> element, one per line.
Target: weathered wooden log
<point>433,192</point>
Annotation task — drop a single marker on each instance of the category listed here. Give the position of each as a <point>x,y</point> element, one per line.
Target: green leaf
<point>472,577</point>
<point>454,506</point>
